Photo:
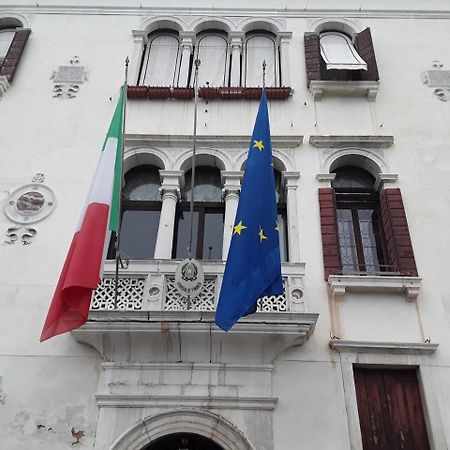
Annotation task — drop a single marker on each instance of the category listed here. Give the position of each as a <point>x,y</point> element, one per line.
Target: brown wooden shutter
<point>330,239</point>
<point>14,54</point>
<point>390,409</point>
<point>396,232</point>
<point>312,57</point>
<point>364,46</point>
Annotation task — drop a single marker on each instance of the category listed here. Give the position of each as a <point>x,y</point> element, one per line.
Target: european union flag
<point>253,267</point>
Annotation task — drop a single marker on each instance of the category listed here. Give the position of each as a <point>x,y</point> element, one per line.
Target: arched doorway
<point>183,441</point>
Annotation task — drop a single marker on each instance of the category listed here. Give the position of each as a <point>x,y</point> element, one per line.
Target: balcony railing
<point>150,286</point>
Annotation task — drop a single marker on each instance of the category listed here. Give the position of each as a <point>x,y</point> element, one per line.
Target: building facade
<point>355,354</point>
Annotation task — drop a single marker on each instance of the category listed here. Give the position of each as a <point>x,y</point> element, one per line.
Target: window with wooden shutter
<point>15,51</point>
<point>364,45</point>
<point>390,409</point>
<point>334,56</point>
<point>364,232</point>
<point>312,57</point>
<point>396,232</point>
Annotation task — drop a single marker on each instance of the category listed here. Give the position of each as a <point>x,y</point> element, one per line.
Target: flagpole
<point>194,148</point>
<point>119,223</point>
<point>264,73</point>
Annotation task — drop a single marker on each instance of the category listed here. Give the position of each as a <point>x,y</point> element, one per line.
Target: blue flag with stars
<point>253,266</point>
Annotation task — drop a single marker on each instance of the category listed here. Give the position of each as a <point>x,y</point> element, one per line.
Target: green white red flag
<point>83,267</point>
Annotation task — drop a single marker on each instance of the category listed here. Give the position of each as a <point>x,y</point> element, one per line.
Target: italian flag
<point>83,267</point>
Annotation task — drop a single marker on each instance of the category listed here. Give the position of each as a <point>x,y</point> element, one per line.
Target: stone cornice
<point>254,12</point>
<point>383,347</point>
<point>135,140</point>
<point>368,142</point>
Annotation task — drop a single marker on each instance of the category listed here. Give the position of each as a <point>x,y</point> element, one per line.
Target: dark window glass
<point>138,234</point>
<point>359,228</point>
<point>141,210</point>
<point>209,211</point>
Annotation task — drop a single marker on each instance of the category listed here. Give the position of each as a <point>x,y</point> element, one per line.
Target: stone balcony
<point>151,321</point>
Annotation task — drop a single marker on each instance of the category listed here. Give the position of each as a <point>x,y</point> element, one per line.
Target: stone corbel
<point>383,179</point>
<point>326,178</point>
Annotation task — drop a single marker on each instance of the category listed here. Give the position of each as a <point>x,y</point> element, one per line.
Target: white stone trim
<point>365,142</point>
<point>339,284</point>
<point>189,401</point>
<point>228,141</point>
<point>383,179</point>
<point>433,415</point>
<point>4,85</point>
<point>204,423</point>
<point>406,348</point>
<point>319,88</point>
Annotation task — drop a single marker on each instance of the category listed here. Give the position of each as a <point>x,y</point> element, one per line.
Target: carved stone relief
<point>25,205</point>
<point>67,79</point>
<point>439,80</point>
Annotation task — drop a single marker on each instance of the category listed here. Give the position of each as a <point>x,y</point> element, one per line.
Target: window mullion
<point>358,240</point>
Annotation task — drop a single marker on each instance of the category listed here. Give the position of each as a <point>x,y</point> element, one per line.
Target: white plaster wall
<point>53,384</point>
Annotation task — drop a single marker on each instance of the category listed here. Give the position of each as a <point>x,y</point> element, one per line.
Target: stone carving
<point>130,294</point>
<point>26,234</point>
<point>38,178</point>
<point>30,203</point>
<point>439,80</point>
<point>67,79</point>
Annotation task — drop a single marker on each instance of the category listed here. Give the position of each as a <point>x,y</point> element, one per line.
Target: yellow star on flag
<point>238,228</point>
<point>259,145</point>
<point>261,235</point>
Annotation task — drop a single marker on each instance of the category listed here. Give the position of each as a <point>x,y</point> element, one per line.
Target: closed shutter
<point>312,57</point>
<point>14,54</point>
<point>390,409</point>
<point>330,239</point>
<point>364,46</point>
<point>396,232</point>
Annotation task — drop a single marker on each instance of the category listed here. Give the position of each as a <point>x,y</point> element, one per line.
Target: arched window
<point>183,441</point>
<point>282,217</point>
<point>12,36</point>
<point>208,218</point>
<point>6,37</point>
<point>358,219</point>
<point>160,59</point>
<point>261,47</point>
<point>141,209</point>
<point>212,51</point>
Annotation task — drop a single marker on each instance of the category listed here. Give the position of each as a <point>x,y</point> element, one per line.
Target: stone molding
<point>406,348</point>
<point>365,142</point>
<point>383,13</point>
<point>319,88</point>
<point>4,85</point>
<point>204,423</point>
<point>190,401</point>
<point>340,284</point>
<point>228,141</point>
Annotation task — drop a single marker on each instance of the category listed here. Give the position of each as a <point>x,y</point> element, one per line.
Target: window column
<point>290,179</point>
<point>186,47</point>
<point>171,181</point>
<point>140,41</point>
<point>236,52</point>
<point>231,188</point>
<point>283,45</point>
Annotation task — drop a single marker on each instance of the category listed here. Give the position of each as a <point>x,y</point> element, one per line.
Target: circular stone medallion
<point>30,203</point>
<point>189,278</point>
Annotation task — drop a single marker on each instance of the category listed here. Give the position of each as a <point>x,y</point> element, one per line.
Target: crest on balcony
<point>439,80</point>
<point>189,278</point>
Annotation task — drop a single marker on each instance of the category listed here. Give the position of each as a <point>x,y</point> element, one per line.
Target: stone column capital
<point>171,183</point>
<point>140,36</point>
<point>289,179</point>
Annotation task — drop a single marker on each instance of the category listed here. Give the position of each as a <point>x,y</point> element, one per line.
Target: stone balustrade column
<point>231,187</point>
<point>171,182</point>
<point>283,44</point>
<point>186,48</point>
<point>291,180</point>
<point>140,39</point>
<point>236,52</point>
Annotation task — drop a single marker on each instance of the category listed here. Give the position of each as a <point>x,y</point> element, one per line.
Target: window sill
<point>339,284</point>
<point>319,88</point>
<point>408,348</point>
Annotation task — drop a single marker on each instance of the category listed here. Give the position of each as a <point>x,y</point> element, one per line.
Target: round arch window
<point>183,441</point>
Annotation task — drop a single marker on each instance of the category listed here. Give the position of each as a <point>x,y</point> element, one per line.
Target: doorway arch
<point>206,424</point>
